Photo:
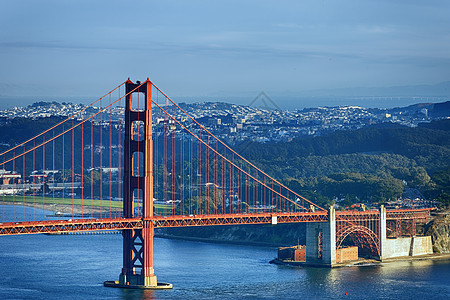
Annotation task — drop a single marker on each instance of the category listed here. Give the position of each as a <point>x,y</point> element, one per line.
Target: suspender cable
<point>182,173</point>
<point>110,158</point>
<point>23,182</point>
<point>63,171</point>
<point>82,170</point>
<point>92,167</point>
<point>173,171</point>
<point>3,196</point>
<point>73,168</point>
<point>216,180</point>
<point>53,176</point>
<point>119,158</point>
<point>223,184</point>
<point>119,155</point>
<point>34,158</point>
<point>43,178</point>
<point>156,156</point>
<point>190,174</point>
<point>101,161</point>
<point>164,168</point>
<point>207,177</point>
<point>14,194</point>
<point>199,176</point>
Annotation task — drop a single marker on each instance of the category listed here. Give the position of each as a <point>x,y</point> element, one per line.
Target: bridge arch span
<point>363,237</point>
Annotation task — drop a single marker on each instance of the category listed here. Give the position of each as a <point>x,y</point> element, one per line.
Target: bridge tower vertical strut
<point>137,270</point>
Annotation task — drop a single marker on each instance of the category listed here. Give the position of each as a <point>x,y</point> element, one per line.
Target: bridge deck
<point>13,228</point>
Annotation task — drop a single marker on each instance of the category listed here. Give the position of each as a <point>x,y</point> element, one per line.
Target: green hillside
<point>372,164</point>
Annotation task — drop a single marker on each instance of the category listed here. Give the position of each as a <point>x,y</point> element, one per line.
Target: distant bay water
<point>278,102</point>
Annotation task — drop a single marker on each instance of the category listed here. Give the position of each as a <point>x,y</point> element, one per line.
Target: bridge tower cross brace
<point>138,244</point>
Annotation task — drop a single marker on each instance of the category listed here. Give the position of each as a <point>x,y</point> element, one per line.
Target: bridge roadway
<point>75,225</point>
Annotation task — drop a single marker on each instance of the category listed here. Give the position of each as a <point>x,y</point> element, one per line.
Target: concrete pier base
<point>407,246</point>
<point>159,286</point>
<point>321,241</point>
<point>138,282</point>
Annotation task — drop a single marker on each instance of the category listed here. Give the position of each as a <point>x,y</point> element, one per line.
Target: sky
<point>206,50</point>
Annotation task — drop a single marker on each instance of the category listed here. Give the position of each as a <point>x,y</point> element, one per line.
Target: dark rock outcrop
<point>439,230</point>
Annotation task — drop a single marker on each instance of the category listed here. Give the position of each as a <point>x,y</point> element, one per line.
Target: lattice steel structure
<point>364,227</point>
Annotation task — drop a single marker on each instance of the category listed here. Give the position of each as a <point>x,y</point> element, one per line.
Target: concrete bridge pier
<point>383,236</point>
<point>402,246</point>
<point>321,241</point>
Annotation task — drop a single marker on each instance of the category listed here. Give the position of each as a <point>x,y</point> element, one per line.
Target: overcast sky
<point>221,48</point>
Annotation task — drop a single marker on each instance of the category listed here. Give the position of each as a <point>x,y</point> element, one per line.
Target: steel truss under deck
<point>349,217</point>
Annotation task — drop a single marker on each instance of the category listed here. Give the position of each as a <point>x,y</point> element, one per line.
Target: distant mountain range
<point>434,109</point>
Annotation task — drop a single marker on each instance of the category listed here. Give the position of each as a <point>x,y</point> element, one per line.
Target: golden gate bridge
<point>158,167</point>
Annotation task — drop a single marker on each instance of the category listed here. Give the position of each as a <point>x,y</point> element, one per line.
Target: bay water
<point>75,267</point>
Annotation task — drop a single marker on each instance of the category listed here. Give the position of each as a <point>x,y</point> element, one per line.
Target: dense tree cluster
<point>372,164</point>
<point>439,187</point>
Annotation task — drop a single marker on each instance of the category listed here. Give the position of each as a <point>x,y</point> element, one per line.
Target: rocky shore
<point>439,230</point>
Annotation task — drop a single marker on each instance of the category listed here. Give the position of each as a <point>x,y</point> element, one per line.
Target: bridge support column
<point>321,241</point>
<point>383,250</point>
<point>137,271</point>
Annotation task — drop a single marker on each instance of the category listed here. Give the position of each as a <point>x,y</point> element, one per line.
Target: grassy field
<point>66,201</point>
<point>39,201</point>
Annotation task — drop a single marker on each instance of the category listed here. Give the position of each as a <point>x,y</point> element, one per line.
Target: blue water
<point>75,266</point>
<point>18,213</point>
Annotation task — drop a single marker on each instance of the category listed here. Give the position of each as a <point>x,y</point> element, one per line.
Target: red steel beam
<point>417,214</point>
<point>68,226</point>
<point>238,219</point>
<point>202,220</point>
<point>158,221</point>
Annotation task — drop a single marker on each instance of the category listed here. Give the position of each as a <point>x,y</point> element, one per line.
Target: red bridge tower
<point>137,271</point>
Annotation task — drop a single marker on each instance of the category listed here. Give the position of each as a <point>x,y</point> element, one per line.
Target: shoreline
<point>367,262</point>
<point>434,256</point>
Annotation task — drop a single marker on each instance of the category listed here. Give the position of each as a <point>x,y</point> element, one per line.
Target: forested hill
<point>428,144</point>
<point>370,164</point>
